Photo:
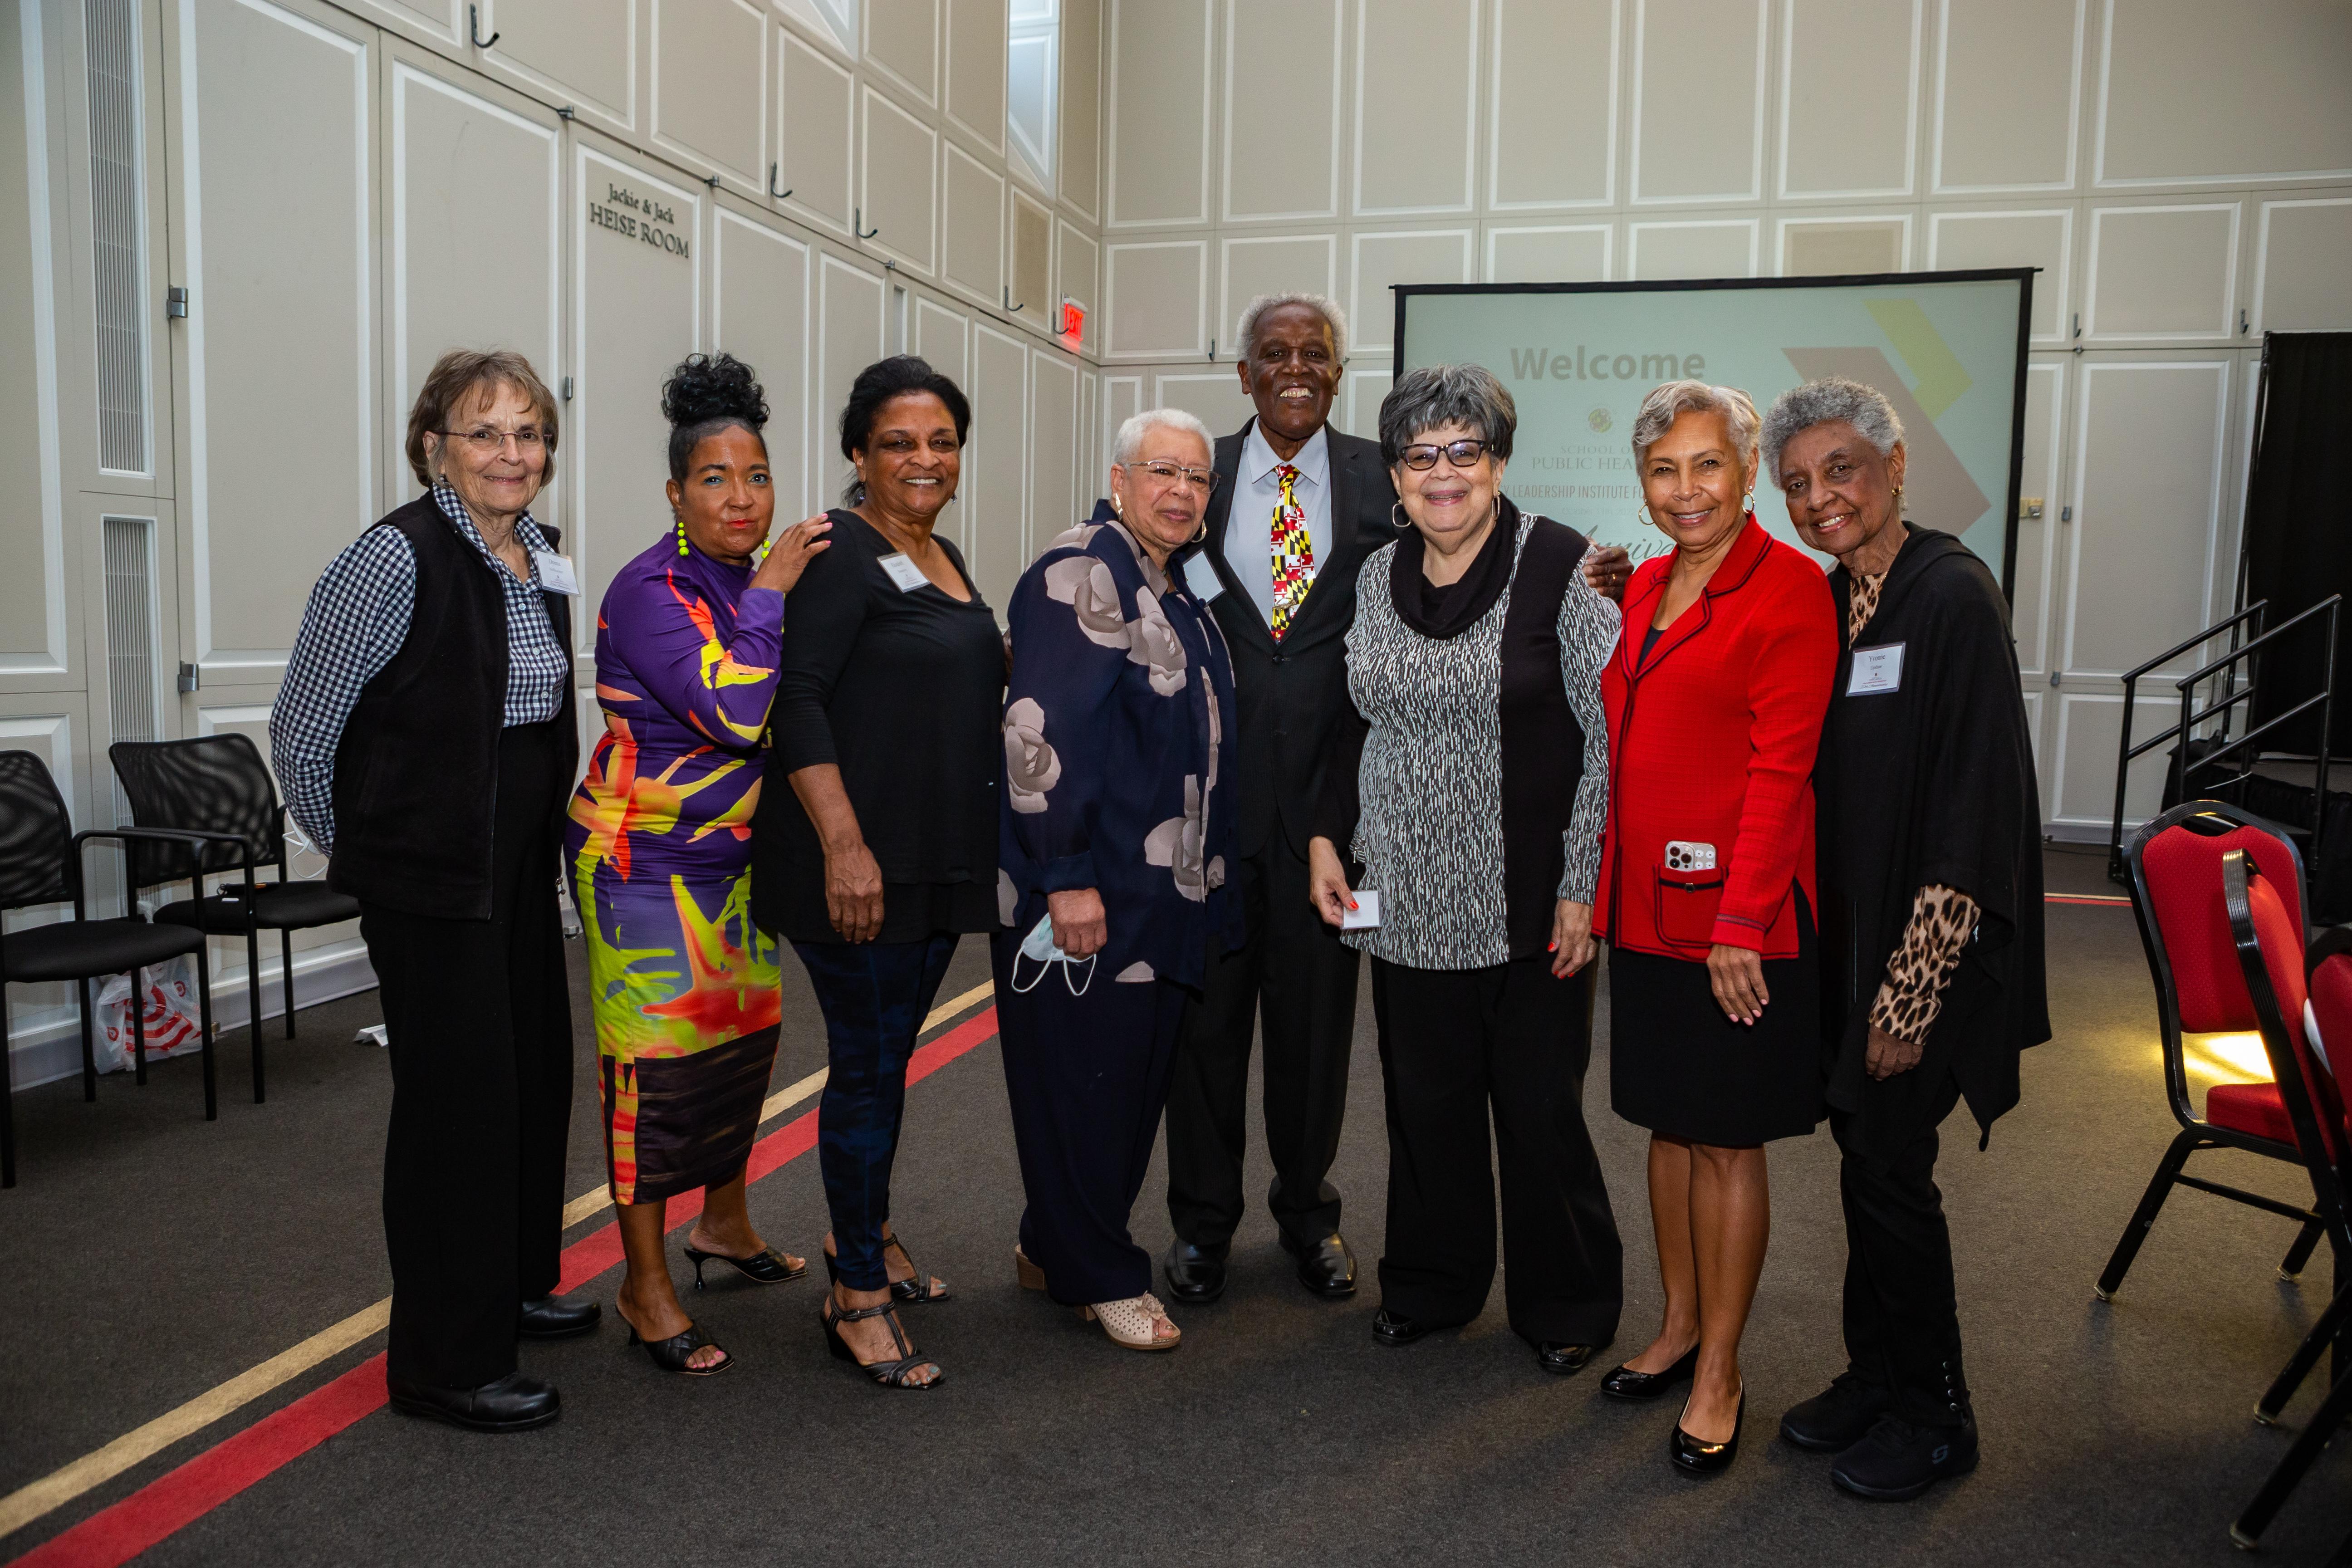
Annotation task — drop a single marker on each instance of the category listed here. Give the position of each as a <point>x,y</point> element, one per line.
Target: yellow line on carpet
<point>61,1486</point>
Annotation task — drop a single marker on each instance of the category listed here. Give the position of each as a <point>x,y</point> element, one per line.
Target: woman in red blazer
<point>1716,698</point>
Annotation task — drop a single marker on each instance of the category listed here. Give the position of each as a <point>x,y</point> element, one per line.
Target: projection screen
<point>1947,348</point>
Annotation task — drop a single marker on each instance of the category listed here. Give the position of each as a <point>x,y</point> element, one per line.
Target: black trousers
<point>1295,976</point>
<point>1087,1076</point>
<point>479,1021</point>
<point>1516,1040</point>
<point>1902,1313</point>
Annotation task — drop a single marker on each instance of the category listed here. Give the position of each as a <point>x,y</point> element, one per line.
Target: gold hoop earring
<point>1748,502</point>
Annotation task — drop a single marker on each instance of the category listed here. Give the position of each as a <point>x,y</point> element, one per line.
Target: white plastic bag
<point>169,1013</point>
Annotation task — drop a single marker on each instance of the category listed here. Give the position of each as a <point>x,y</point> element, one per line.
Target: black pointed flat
<point>767,1267</point>
<point>1693,1458</point>
<point>1624,1383</point>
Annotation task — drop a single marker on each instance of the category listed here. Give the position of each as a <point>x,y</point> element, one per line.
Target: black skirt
<point>1677,1065</point>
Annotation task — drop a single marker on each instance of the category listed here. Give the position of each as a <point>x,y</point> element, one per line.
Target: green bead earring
<point>681,533</point>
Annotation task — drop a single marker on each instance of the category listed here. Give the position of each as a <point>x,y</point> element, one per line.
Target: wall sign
<point>641,218</point>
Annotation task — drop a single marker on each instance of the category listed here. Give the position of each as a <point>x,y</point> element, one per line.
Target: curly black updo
<point>705,395</point>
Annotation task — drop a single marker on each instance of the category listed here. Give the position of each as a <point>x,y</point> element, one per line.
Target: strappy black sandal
<point>766,1267</point>
<point>888,1373</point>
<point>914,1290</point>
<point>671,1354</point>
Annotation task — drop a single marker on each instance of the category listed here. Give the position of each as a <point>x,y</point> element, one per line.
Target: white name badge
<point>1876,669</point>
<point>1201,577</point>
<point>905,573</point>
<point>555,574</point>
<point>1366,915</point>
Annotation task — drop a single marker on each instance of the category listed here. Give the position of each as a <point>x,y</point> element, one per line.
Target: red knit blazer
<point>1711,742</point>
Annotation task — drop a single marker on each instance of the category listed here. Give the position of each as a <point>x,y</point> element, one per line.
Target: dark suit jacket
<point>1291,696</point>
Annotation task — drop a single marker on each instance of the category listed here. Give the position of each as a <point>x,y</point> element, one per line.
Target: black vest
<point>1542,743</point>
<point>416,769</point>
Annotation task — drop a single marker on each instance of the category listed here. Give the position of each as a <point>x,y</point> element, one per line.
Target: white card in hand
<point>1366,915</point>
<point>555,574</point>
<point>904,572</point>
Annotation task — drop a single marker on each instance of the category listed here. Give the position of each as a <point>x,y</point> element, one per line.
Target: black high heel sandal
<point>914,1290</point>
<point>670,1355</point>
<point>767,1267</point>
<point>888,1373</point>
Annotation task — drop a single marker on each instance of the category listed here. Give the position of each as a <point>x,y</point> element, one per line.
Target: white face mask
<point>1039,947</point>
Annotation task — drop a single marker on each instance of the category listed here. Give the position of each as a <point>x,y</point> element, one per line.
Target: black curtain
<point>2298,535</point>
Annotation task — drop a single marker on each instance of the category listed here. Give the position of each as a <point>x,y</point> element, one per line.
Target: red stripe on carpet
<point>2101,901</point>
<point>115,1535</point>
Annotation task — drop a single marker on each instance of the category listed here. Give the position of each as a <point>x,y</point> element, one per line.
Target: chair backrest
<point>36,835</point>
<point>2327,1004</point>
<point>2176,867</point>
<point>2268,938</point>
<point>212,783</point>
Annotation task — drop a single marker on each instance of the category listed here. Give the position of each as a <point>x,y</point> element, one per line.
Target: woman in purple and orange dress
<point>685,985</point>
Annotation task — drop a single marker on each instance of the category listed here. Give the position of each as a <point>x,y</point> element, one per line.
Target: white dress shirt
<point>1258,492</point>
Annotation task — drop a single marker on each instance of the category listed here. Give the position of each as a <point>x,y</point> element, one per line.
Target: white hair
<point>1131,434</point>
<point>1671,400</point>
<point>1257,309</point>
<point>1832,397</point>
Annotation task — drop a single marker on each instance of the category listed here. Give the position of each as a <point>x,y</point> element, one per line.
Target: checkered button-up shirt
<point>356,621</point>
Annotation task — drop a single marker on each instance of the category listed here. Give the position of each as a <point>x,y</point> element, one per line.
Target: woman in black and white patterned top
<point>1468,783</point>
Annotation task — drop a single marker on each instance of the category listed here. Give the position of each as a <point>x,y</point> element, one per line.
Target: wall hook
<point>779,195</point>
<point>1212,351</point>
<point>857,225</point>
<point>474,28</point>
<point>710,180</point>
<point>1009,305</point>
<point>566,112</point>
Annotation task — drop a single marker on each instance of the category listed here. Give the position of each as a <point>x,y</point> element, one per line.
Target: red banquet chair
<point>2176,887</point>
<point>2268,936</point>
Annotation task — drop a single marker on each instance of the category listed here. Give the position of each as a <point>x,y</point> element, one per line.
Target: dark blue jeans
<point>875,996</point>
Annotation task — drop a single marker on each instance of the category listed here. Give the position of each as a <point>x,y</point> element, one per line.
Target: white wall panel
<point>710,86</point>
<point>896,193</point>
<point>1056,502</point>
<point>1156,300</point>
<point>1364,390</point>
<point>1293,171</point>
<point>1698,100</point>
<point>941,337</point>
<point>2193,90</point>
<point>1381,261</point>
<point>34,634</point>
<point>1271,264</point>
<point>996,463</point>
<point>760,313</point>
<point>2009,93</point>
<point>849,338</point>
<point>1561,253</point>
<point>1846,132</point>
<point>2302,267</point>
<point>975,55</point>
<point>814,134</point>
<point>1122,399</point>
<point>1159,151</point>
<point>1080,173</point>
<point>1845,244</point>
<point>581,52</point>
<point>1551,136</point>
<point>1709,247</point>
<point>902,40</point>
<point>2163,272</point>
<point>1416,106</point>
<point>1213,394</point>
<point>2040,473</point>
<point>972,213</point>
<point>2080,789</point>
<point>2042,238</point>
<point>1092,470</point>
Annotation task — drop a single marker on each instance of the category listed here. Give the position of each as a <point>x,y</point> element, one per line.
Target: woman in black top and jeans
<point>886,725</point>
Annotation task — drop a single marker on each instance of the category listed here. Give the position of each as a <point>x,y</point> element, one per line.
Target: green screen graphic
<point>1945,351</point>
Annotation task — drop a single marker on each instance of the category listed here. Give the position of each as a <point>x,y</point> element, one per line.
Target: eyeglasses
<point>1201,479</point>
<point>485,440</point>
<point>1461,454</point>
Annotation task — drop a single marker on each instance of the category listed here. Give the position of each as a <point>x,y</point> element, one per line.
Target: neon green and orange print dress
<point>684,982</point>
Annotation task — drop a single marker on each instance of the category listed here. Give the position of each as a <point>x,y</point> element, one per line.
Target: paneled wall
<point>2180,171</point>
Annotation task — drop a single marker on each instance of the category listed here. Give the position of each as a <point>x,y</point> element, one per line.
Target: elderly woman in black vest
<point>425,739</point>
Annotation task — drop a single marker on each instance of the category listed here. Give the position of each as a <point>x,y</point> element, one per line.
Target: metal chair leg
<point>2160,1187</point>
<point>2247,1532</point>
<point>286,973</point>
<point>2291,1267</point>
<point>204,1024</point>
<point>7,1099</point>
<point>2306,1355</point>
<point>138,1031</point>
<point>88,1052</point>
<point>253,999</point>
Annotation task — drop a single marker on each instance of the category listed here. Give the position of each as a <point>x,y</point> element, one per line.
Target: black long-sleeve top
<point>903,690</point>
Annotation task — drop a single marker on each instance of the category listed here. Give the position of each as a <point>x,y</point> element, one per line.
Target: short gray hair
<point>1669,401</point>
<point>1257,309</point>
<point>1832,397</point>
<point>1131,433</point>
<point>1439,394</point>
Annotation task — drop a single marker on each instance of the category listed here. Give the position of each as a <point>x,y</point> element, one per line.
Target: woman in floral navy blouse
<point>1116,834</point>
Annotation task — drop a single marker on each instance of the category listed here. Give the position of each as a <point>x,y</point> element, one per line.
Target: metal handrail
<point>2126,753</point>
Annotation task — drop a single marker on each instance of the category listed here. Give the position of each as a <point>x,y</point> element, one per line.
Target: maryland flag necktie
<point>1294,554</point>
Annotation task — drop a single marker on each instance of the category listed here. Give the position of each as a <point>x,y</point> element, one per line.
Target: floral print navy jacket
<point>1118,772</point>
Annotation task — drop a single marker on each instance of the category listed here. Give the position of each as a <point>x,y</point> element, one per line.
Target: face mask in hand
<point>1039,947</point>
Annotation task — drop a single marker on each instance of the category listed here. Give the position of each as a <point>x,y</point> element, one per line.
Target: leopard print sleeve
<point>1943,919</point>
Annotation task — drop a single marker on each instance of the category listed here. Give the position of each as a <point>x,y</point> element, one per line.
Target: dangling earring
<point>1748,502</point>
<point>681,533</point>
<point>1397,518</point>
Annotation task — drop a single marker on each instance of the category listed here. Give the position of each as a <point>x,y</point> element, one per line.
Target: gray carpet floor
<point>148,1256</point>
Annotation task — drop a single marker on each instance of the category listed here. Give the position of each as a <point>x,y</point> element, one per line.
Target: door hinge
<point>190,677</point>
<point>567,389</point>
<point>2054,677</point>
<point>175,300</point>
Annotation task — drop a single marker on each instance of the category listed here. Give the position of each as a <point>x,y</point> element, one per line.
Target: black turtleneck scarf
<point>1445,612</point>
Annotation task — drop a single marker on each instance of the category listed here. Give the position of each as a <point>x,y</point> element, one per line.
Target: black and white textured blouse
<point>1470,783</point>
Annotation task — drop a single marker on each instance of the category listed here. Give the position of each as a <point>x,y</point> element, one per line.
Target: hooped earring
<point>1748,502</point>
<point>1397,518</point>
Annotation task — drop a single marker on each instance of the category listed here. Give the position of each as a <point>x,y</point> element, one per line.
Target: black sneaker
<point>1898,1460</point>
<point>1838,1418</point>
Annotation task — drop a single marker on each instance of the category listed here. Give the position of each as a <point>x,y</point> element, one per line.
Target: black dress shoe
<point>1196,1272</point>
<point>1838,1418</point>
<point>1693,1458</point>
<point>1394,1329</point>
<point>557,1318</point>
<point>1567,1359</point>
<point>1626,1383</point>
<point>1897,1460</point>
<point>513,1403</point>
<point>1326,1267</point>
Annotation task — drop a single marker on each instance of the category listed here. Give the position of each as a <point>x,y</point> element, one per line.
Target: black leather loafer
<point>1897,1461</point>
<point>1693,1458</point>
<point>557,1318</point>
<point>1567,1359</point>
<point>513,1403</point>
<point>1626,1383</point>
<point>1395,1330</point>
<point>1837,1418</point>
<point>1196,1273</point>
<point>1327,1268</point>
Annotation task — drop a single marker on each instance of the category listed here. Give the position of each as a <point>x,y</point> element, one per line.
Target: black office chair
<point>40,863</point>
<point>217,786</point>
